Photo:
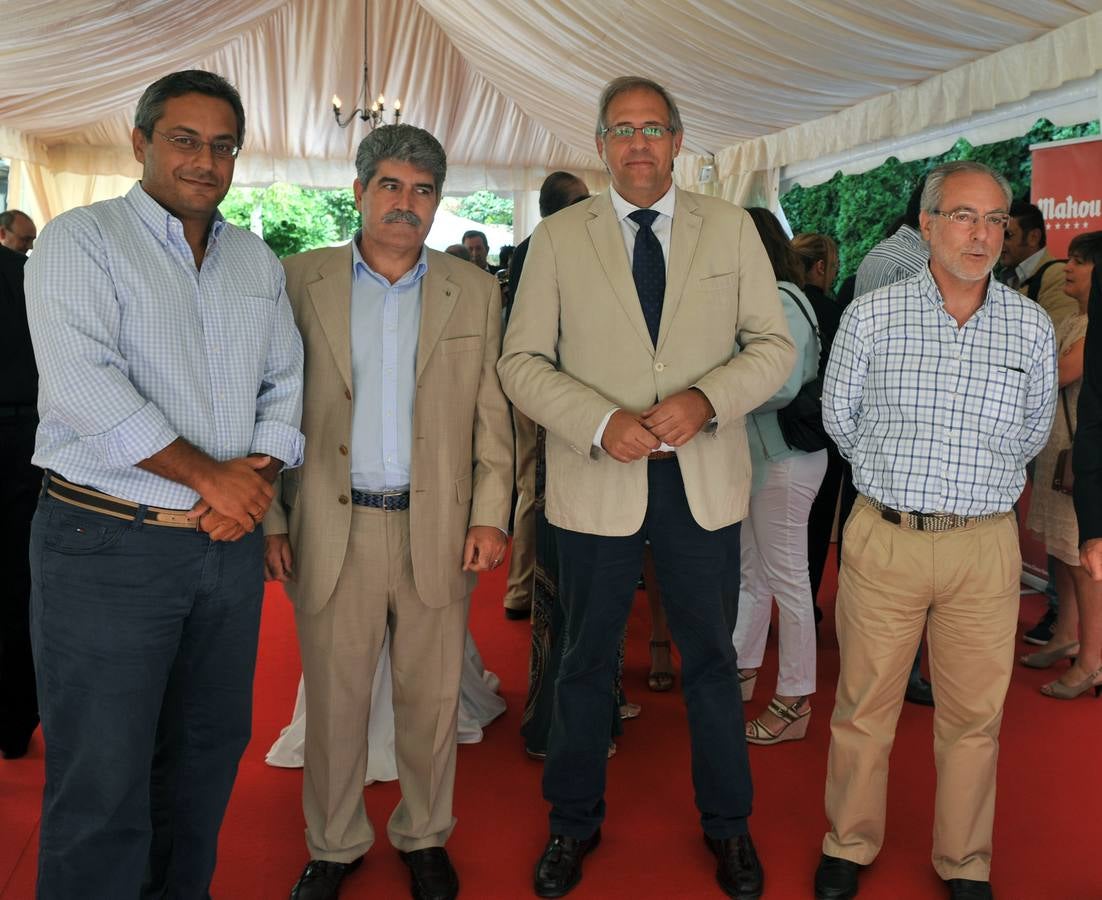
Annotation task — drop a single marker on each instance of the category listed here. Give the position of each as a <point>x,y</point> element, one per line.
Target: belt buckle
<point>891,515</point>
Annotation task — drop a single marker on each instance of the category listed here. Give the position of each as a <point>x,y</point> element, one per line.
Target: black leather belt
<point>927,521</point>
<point>661,454</point>
<point>97,501</point>
<point>388,500</point>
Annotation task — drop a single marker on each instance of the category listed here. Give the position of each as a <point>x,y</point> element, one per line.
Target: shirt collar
<point>663,205</point>
<point>360,268</point>
<point>161,222</point>
<point>1029,265</point>
<point>992,296</point>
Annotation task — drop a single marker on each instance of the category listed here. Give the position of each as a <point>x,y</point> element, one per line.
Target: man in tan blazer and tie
<point>646,326</point>
<point>403,498</point>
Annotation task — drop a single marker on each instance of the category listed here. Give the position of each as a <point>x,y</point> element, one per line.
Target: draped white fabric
<point>510,86</point>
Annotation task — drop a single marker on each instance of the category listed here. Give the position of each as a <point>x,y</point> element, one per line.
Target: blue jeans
<point>144,643</point>
<point>698,573</point>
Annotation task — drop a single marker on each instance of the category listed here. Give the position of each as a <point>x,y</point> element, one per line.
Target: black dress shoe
<point>967,889</point>
<point>836,878</point>
<point>321,879</point>
<point>560,866</point>
<point>739,872</point>
<point>919,692</point>
<point>432,876</point>
<point>15,748</point>
<point>516,615</point>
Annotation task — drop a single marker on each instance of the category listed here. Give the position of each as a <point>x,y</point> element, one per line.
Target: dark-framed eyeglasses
<point>627,132</point>
<point>187,143</point>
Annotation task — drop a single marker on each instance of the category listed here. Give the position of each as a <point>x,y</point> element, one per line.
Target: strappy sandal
<point>1042,659</point>
<point>747,678</point>
<point>795,717</point>
<point>660,681</point>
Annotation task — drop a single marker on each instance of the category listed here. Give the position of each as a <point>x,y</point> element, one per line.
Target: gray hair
<point>934,191</point>
<point>151,106</point>
<point>405,143</point>
<point>630,83</point>
<point>8,217</point>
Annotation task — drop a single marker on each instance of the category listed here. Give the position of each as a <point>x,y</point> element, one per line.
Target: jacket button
<point>343,500</point>
<point>658,367</point>
<point>343,450</point>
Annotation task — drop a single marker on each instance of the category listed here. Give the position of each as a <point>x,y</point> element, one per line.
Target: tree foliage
<point>486,207</point>
<point>292,219</point>
<point>856,210</point>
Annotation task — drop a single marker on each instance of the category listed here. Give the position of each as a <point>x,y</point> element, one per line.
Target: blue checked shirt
<point>936,418</point>
<point>137,347</point>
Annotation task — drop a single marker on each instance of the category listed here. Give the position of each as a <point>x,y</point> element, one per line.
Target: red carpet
<point>1044,837</point>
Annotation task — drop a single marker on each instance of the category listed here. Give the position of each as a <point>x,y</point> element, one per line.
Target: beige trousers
<point>522,562</point>
<point>340,647</point>
<point>963,587</point>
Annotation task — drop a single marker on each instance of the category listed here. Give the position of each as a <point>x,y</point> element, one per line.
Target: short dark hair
<point>460,251</point>
<point>555,191</point>
<point>630,83</point>
<point>151,106</point>
<point>1087,247</point>
<point>786,262</point>
<point>1028,217</point>
<point>405,143</point>
<point>505,254</point>
<point>8,217</point>
<point>478,234</point>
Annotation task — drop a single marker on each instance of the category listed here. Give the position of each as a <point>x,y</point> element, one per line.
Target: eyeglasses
<point>965,218</point>
<point>627,132</point>
<point>185,143</point>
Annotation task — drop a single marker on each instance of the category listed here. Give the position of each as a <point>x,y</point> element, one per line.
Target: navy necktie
<point>648,268</point>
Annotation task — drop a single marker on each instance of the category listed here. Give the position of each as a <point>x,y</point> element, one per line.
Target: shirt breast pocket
<point>997,398</point>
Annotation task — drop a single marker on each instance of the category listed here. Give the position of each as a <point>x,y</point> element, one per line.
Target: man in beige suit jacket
<point>403,497</point>
<point>646,326</point>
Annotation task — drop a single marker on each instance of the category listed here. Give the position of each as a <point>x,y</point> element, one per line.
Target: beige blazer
<point>577,347</point>
<point>462,467</point>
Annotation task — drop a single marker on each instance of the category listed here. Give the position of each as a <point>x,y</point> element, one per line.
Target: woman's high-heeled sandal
<point>747,678</point>
<point>1042,659</point>
<point>1060,691</point>
<point>795,717</point>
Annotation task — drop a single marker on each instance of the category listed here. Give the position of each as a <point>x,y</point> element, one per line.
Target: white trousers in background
<point>774,565</point>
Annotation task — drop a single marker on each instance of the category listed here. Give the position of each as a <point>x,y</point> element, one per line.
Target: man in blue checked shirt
<point>169,397</point>
<point>939,390</point>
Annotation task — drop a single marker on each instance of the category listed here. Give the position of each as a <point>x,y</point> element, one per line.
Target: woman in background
<point>774,536</point>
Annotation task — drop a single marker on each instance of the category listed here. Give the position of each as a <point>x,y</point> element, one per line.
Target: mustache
<point>403,216</point>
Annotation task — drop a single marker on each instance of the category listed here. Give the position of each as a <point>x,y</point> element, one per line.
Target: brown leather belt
<point>96,501</point>
<point>661,454</point>
<point>926,521</point>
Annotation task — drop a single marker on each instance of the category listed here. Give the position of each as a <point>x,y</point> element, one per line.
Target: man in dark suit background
<point>18,495</point>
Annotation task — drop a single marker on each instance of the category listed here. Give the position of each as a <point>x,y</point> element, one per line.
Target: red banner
<point>1067,187</point>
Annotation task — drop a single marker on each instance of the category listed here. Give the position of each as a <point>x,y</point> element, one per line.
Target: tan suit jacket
<point>461,470</point>
<point>1052,298</point>
<point>577,347</point>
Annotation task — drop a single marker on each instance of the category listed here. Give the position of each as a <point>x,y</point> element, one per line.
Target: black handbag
<point>801,421</point>
<point>1063,478</point>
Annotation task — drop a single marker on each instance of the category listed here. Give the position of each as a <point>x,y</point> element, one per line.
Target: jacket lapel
<point>438,298</point>
<point>683,241</point>
<point>331,295</point>
<point>608,242</point>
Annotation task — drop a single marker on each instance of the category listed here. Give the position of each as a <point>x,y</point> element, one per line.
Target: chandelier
<point>376,113</point>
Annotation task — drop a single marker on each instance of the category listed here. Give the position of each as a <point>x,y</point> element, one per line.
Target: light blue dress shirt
<point>136,347</point>
<point>386,320</point>
<point>937,418</point>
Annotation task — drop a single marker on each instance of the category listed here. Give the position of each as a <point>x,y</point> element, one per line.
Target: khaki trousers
<point>522,562</point>
<point>340,647</point>
<point>963,586</point>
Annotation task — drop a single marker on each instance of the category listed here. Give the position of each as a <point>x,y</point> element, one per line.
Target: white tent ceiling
<point>510,86</point>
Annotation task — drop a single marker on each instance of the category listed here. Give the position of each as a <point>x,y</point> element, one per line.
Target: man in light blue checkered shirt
<point>170,398</point>
<point>939,390</point>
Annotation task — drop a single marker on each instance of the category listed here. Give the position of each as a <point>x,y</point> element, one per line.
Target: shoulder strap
<point>1032,284</point>
<point>800,307</point>
<point>1067,415</point>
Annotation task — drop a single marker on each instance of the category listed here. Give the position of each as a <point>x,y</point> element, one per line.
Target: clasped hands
<point>234,496</point>
<point>674,421</point>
